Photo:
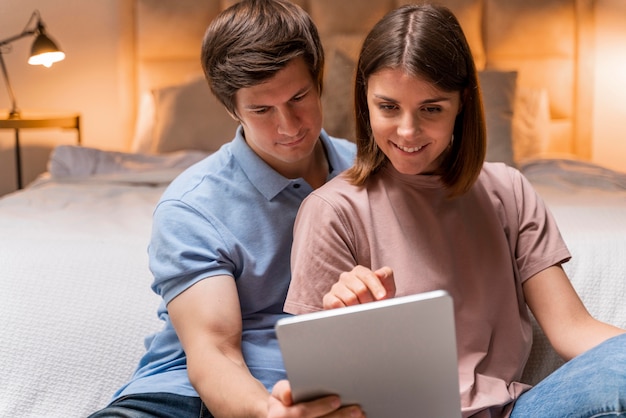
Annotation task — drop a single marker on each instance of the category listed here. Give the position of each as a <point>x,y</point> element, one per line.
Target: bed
<point>74,277</point>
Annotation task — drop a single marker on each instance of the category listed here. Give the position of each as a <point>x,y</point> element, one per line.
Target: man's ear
<point>233,115</point>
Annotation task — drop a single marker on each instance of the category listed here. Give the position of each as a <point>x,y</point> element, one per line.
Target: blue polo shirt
<point>229,214</point>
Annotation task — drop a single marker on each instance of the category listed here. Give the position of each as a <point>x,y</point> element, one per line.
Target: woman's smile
<point>410,150</point>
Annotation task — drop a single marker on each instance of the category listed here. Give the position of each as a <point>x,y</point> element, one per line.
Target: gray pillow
<point>498,92</point>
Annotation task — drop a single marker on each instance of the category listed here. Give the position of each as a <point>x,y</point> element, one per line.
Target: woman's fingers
<point>360,285</point>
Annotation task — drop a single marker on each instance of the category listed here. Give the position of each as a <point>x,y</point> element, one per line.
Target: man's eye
<point>260,110</point>
<point>387,106</point>
<point>298,98</point>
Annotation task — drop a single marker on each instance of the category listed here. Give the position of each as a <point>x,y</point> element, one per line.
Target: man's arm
<point>207,319</point>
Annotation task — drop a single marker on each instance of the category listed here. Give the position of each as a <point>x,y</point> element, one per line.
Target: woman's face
<point>412,120</point>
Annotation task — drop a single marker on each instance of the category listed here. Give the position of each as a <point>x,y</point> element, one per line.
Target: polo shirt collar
<point>267,180</point>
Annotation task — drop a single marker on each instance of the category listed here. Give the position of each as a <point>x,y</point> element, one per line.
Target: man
<point>222,231</point>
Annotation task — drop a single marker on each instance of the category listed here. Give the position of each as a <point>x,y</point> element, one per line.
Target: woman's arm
<point>561,314</point>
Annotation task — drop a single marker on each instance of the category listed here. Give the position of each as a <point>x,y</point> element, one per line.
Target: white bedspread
<point>589,204</point>
<point>75,287</point>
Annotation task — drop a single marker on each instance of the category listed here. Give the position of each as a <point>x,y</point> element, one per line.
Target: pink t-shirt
<point>480,247</point>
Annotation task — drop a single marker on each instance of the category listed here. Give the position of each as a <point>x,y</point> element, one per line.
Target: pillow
<point>499,98</point>
<point>531,123</point>
<point>189,117</point>
<point>184,117</point>
<point>498,92</point>
<point>337,96</point>
<point>81,162</point>
<point>144,128</point>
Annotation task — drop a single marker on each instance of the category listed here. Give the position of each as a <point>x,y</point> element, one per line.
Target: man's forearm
<point>227,388</point>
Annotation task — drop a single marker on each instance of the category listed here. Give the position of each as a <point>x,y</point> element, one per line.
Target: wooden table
<point>32,121</point>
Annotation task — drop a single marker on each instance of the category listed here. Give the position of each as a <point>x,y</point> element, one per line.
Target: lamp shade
<point>44,51</point>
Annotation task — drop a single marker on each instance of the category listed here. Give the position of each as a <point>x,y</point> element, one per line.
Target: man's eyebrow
<point>303,90</point>
<point>300,92</point>
<point>254,106</point>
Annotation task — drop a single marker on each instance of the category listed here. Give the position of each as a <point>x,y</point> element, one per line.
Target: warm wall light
<point>43,52</point>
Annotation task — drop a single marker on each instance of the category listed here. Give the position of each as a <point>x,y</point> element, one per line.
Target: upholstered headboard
<point>546,42</point>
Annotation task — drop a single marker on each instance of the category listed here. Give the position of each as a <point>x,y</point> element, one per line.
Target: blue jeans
<point>154,405</point>
<point>590,385</point>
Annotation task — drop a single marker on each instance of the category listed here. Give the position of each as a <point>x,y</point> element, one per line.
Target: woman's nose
<point>408,126</point>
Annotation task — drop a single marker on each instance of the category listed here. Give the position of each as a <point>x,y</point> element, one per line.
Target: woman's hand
<point>281,405</point>
<point>361,285</point>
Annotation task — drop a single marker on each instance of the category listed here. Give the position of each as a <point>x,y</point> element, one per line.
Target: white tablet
<point>396,358</point>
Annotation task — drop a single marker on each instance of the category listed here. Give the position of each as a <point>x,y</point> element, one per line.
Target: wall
<point>609,140</point>
<point>93,80</point>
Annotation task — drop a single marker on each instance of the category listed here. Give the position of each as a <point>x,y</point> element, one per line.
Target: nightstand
<point>34,121</point>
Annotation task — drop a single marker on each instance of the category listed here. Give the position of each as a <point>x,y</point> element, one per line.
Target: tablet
<point>396,357</point>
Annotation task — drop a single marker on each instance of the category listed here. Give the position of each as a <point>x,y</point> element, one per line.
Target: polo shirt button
<point>296,185</point>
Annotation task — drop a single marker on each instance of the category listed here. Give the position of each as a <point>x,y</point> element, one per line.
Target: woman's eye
<point>432,109</point>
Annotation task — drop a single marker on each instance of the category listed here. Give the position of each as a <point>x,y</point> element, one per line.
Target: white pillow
<point>81,162</point>
<point>182,117</point>
<point>144,128</point>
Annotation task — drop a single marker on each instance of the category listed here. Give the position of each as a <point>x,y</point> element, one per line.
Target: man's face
<point>282,117</point>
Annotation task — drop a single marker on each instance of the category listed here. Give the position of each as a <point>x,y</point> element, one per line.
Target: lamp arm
<point>16,37</point>
<point>26,32</point>
<point>14,113</point>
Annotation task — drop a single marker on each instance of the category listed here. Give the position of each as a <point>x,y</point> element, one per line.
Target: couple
<point>417,193</point>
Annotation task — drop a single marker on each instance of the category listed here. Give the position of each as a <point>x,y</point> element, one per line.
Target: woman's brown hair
<point>425,41</point>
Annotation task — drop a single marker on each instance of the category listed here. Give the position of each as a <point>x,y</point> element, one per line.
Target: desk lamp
<point>43,52</point>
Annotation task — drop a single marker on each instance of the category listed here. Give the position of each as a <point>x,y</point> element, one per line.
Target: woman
<point>420,211</point>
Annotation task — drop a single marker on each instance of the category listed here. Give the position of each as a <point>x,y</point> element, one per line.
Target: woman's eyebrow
<point>427,101</point>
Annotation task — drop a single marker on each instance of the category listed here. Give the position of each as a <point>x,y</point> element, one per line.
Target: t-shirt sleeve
<point>185,248</point>
<point>539,241</point>
<point>321,251</point>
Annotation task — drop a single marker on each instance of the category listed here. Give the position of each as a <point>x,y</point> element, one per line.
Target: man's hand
<point>361,285</point>
<point>281,406</point>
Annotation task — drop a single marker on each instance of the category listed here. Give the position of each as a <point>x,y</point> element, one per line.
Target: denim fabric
<point>154,405</point>
<point>590,385</point>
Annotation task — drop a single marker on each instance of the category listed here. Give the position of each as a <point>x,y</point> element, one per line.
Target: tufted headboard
<point>546,42</point>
